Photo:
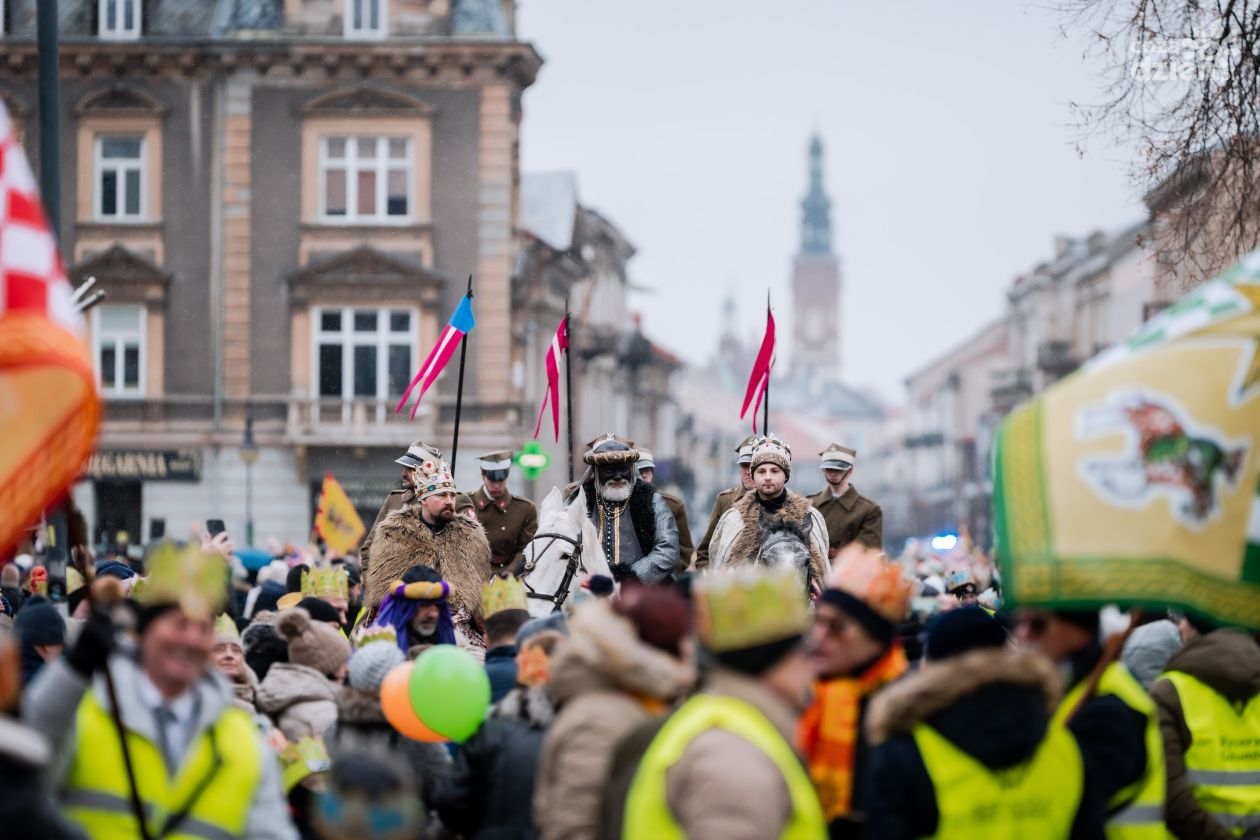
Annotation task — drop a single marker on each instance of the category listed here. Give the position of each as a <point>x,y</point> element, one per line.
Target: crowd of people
<point>785,679</point>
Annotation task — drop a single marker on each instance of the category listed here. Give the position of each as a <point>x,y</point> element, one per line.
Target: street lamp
<point>249,454</point>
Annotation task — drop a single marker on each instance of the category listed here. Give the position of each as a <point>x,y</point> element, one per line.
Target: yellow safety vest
<point>1038,798</point>
<point>1223,761</point>
<point>214,784</point>
<point>647,808</point>
<point>1137,811</point>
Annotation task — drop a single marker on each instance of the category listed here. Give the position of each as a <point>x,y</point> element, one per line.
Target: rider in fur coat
<point>427,532</point>
<point>738,537</point>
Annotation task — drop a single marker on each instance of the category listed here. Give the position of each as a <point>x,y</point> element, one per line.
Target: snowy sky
<point>951,155</point>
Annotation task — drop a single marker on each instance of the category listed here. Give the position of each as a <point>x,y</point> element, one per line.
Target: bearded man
<point>636,528</point>
<point>737,538</point>
<point>427,532</point>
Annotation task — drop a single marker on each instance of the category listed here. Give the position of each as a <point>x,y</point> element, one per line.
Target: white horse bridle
<point>574,566</point>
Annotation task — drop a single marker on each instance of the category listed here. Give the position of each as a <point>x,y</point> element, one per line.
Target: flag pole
<point>765,412</point>
<point>459,392</point>
<point>568,380</point>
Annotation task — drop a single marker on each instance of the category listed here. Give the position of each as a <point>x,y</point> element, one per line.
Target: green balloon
<point>450,692</point>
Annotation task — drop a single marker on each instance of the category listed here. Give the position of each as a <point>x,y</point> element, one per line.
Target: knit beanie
<point>660,616</point>
<point>962,630</point>
<point>11,576</point>
<point>312,643</point>
<point>370,663</point>
<point>39,623</point>
<point>320,610</point>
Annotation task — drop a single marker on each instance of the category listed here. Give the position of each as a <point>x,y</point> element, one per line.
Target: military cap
<point>417,454</point>
<point>646,461</point>
<point>495,465</point>
<point>837,457</point>
<point>745,449</point>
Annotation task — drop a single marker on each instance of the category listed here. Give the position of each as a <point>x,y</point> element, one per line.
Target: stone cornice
<point>454,63</point>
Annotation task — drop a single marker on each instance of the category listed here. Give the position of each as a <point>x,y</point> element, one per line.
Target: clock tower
<point>816,284</point>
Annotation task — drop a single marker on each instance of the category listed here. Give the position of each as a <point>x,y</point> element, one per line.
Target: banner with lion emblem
<point>1135,480</point>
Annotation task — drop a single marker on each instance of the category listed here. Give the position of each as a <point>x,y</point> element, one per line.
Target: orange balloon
<point>396,702</point>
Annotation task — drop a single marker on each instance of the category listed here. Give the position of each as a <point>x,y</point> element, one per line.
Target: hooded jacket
<point>52,702</point>
<point>606,682</point>
<point>300,700</point>
<point>1228,662</point>
<point>489,793</point>
<point>993,705</point>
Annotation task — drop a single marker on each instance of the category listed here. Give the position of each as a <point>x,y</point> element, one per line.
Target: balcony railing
<point>1010,388</point>
<point>1056,358</point>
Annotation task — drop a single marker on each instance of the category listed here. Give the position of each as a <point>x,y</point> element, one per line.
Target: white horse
<point>563,552</point>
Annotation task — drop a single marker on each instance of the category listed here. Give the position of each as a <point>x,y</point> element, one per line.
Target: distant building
<point>816,284</point>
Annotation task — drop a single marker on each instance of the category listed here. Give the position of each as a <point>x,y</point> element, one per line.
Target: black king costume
<point>636,528</point>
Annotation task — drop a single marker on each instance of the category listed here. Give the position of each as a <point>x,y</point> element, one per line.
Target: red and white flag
<point>559,344</point>
<point>759,379</point>
<point>49,409</point>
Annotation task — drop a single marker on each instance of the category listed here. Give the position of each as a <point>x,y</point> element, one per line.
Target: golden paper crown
<point>331,582</point>
<point>377,633</point>
<point>749,606</point>
<point>301,759</point>
<point>502,593</point>
<point>196,582</point>
<point>225,629</point>
<point>866,574</point>
<point>433,476</point>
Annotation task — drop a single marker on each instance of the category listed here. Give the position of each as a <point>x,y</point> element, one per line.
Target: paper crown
<point>771,450</point>
<point>225,629</point>
<point>749,606</point>
<point>866,574</point>
<point>196,582</point>
<point>958,578</point>
<point>502,593</point>
<point>610,450</point>
<point>433,476</point>
<point>377,633</point>
<point>330,582</point>
<point>301,759</point>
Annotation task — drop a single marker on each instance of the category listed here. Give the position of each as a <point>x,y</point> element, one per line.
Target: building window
<point>363,353</point>
<point>365,18</point>
<point>120,177</point>
<point>119,18</point>
<point>366,179</point>
<point>118,339</point>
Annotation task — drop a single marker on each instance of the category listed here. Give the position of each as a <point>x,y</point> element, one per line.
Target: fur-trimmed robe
<point>737,538</point>
<point>460,553</point>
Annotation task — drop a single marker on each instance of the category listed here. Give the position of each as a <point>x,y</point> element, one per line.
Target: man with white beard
<point>636,529</point>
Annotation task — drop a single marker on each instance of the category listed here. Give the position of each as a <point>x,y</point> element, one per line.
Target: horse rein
<point>575,564</point>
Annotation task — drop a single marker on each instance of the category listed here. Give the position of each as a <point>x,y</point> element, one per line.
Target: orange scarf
<point>828,730</point>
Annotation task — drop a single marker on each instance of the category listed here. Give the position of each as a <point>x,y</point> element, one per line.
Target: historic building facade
<point>283,200</point>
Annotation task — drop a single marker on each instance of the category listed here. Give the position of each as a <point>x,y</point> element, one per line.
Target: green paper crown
<point>331,582</point>
<point>194,581</point>
<point>749,606</point>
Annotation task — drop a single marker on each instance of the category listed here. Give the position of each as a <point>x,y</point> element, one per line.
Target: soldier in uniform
<point>729,497</point>
<point>646,466</point>
<point>851,517</point>
<point>510,522</point>
<point>403,494</point>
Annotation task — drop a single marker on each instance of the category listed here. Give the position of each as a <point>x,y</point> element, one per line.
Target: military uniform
<point>510,523</point>
<point>396,499</point>
<point>850,518</point>
<point>679,510</point>
<point>723,503</point>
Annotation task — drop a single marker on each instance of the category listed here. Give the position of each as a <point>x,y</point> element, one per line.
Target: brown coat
<point>723,786</point>
<point>850,518</point>
<point>720,506</point>
<point>679,510</point>
<point>598,676</point>
<point>395,500</point>
<point>460,554</point>
<point>510,523</point>
<point>1228,661</point>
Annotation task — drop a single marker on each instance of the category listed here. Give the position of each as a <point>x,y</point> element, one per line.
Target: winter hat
<point>771,450</point>
<point>112,568</point>
<point>263,647</point>
<point>39,623</point>
<point>659,614</point>
<point>869,589</point>
<point>312,643</point>
<point>962,630</point>
<point>11,576</point>
<point>320,610</point>
<point>555,622</point>
<point>370,663</point>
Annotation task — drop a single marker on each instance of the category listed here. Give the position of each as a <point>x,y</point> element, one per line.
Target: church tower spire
<point>816,284</point>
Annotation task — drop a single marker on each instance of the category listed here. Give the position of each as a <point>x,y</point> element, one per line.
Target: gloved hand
<point>95,644</point>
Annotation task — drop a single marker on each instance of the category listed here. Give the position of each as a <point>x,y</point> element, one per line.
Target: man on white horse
<point>737,540</point>
<point>636,529</point>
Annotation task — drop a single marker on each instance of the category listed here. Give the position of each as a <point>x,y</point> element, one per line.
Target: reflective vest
<point>647,808</point>
<point>1223,761</point>
<point>1038,798</point>
<point>213,786</point>
<point>1137,811</point>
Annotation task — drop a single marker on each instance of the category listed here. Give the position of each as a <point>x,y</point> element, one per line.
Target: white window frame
<point>98,171</point>
<point>100,336</point>
<point>120,32</point>
<point>374,33</point>
<point>348,338</point>
<point>381,165</point>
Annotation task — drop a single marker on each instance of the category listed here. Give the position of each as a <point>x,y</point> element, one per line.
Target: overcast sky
<point>951,156</point>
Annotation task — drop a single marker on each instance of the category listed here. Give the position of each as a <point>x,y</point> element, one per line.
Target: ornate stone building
<point>283,200</point>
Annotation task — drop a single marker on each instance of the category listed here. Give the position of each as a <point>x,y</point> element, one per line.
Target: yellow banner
<point>336,521</point>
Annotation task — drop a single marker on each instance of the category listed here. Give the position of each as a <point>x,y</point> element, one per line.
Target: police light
<point>944,542</point>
